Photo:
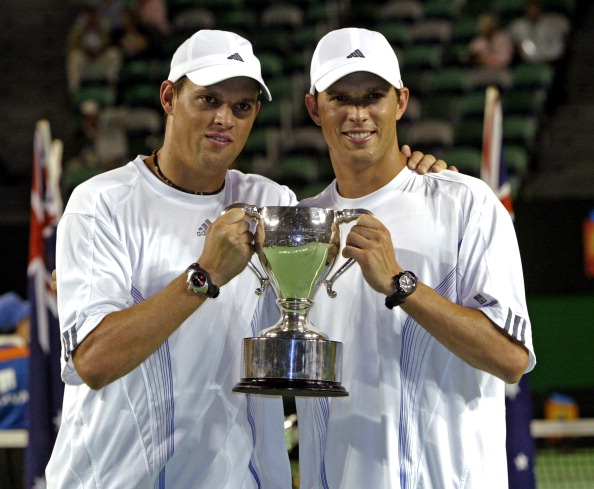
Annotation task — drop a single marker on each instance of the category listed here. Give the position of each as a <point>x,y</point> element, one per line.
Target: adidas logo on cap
<point>356,54</point>
<point>235,56</point>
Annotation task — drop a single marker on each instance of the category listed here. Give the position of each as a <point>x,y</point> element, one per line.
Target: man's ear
<point>312,108</point>
<point>402,102</point>
<point>167,96</point>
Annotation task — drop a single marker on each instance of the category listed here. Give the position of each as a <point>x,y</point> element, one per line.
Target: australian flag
<point>520,444</point>
<point>493,169</point>
<point>45,385</point>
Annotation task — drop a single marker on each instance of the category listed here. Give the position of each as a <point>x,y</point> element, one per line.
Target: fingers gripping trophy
<point>297,247</point>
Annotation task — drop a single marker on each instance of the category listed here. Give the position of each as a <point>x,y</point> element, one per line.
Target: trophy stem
<point>294,322</point>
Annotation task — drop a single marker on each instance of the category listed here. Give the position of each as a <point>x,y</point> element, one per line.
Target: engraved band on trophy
<point>297,247</point>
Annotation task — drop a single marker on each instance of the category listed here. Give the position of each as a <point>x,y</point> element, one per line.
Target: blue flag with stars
<point>520,444</point>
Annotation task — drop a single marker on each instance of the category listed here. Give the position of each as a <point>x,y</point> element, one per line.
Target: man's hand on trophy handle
<point>228,247</point>
<point>370,244</point>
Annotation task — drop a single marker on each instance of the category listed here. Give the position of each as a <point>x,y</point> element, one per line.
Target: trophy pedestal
<point>291,366</point>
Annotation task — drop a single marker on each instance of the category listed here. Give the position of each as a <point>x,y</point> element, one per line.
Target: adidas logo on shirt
<point>356,54</point>
<point>203,228</point>
<point>235,57</point>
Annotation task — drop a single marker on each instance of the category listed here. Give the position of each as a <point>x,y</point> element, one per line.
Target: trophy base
<point>291,366</point>
<point>291,387</point>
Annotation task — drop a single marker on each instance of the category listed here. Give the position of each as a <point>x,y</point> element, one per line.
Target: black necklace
<point>177,187</point>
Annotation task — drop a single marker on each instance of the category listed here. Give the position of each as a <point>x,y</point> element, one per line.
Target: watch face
<point>198,279</point>
<point>407,283</point>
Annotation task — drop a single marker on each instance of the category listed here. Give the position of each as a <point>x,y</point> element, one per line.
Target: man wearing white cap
<point>434,318</point>
<point>154,298</point>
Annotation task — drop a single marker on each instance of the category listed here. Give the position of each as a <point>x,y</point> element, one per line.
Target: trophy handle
<point>264,280</point>
<point>344,216</point>
<point>253,212</point>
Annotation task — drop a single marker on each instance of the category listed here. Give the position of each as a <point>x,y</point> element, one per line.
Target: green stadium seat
<point>429,135</point>
<point>101,93</point>
<point>431,31</point>
<point>135,70</point>
<point>421,57</point>
<point>469,133</point>
<point>306,35</point>
<point>271,64</point>
<point>239,21</point>
<point>75,176</point>
<point>273,113</point>
<point>192,19</point>
<point>475,8</point>
<point>523,102</point>
<point>257,143</point>
<point>286,15</point>
<point>282,87</point>
<point>450,80</point>
<point>436,106</point>
<point>408,11</point>
<point>472,106</point>
<point>297,170</point>
<point>520,130</point>
<point>397,34</point>
<point>516,159</point>
<point>466,158</point>
<point>529,75</point>
<point>465,29</point>
<point>441,9</point>
<point>142,94</point>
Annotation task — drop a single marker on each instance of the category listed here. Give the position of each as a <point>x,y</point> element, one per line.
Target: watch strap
<point>393,301</point>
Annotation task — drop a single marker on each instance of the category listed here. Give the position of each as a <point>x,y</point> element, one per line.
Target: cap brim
<point>336,74</point>
<point>216,74</point>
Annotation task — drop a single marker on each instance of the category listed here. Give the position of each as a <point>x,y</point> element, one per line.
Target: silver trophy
<point>297,247</point>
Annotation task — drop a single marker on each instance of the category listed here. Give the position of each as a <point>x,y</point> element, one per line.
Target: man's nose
<point>358,113</point>
<point>224,116</point>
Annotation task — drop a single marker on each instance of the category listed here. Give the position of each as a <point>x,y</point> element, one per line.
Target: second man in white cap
<point>433,320</point>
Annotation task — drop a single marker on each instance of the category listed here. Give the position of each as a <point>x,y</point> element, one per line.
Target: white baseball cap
<point>345,51</point>
<point>211,56</point>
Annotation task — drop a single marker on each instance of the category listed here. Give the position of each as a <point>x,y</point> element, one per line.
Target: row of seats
<point>447,98</point>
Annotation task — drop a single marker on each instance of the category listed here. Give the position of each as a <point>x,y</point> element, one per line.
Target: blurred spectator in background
<point>14,319</point>
<point>101,135</point>
<point>14,382</point>
<point>90,54</point>
<point>492,47</point>
<point>539,37</point>
<point>153,15</point>
<point>103,144</point>
<point>111,11</point>
<point>133,38</point>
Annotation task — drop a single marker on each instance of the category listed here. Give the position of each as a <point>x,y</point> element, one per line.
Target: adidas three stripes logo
<point>356,54</point>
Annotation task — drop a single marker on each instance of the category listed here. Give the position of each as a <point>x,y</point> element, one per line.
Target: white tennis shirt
<point>173,422</point>
<point>417,416</point>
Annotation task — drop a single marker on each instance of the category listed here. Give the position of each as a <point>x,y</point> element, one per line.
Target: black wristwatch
<point>199,281</point>
<point>405,284</point>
